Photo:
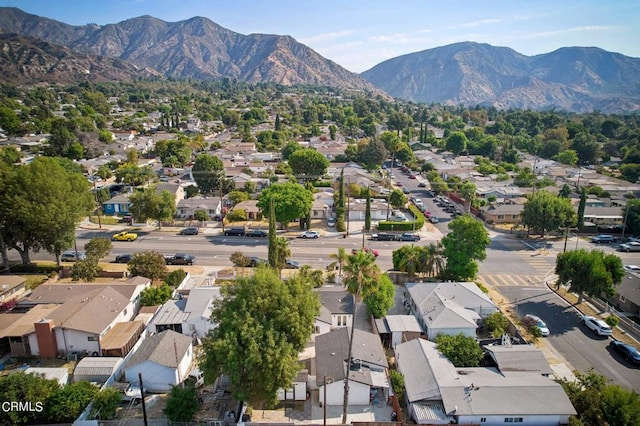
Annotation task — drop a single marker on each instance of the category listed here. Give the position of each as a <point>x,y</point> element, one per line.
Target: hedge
<point>414,225</point>
<point>35,268</point>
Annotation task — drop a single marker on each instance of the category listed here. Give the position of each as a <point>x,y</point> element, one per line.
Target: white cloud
<point>585,29</point>
<point>481,22</point>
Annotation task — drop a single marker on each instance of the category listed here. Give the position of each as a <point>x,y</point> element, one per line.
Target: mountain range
<point>577,79</point>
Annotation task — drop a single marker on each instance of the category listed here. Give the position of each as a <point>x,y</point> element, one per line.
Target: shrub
<point>340,225</point>
<point>397,383</point>
<point>239,259</point>
<point>106,401</point>
<point>201,215</point>
<point>35,268</point>
<point>236,215</point>
<point>496,324</point>
<point>612,320</point>
<point>482,287</point>
<point>174,278</point>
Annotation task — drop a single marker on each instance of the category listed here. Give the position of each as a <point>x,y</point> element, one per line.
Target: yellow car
<point>124,236</point>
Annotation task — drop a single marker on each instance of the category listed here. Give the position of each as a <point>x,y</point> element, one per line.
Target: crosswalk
<point>511,280</point>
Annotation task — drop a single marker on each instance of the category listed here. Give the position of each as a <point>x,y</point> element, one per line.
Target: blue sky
<point>359,34</point>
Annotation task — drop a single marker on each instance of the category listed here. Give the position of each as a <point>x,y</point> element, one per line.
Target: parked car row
<point>242,232</point>
<point>176,259</point>
<point>384,236</point>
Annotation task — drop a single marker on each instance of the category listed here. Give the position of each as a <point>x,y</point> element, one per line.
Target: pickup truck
<point>129,393</point>
<point>383,237</point>
<point>180,259</point>
<point>408,236</point>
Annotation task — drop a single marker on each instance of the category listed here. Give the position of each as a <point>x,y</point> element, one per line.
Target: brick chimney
<point>46,337</point>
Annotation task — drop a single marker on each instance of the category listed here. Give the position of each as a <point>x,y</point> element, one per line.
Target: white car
<point>534,320</point>
<point>596,325</point>
<point>309,234</point>
<point>631,268</point>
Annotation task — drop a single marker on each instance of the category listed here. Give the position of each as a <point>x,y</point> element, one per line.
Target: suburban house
<point>627,296</point>
<point>336,307</point>
<point>188,315</point>
<point>58,318</point>
<point>500,192</point>
<point>163,359</point>
<point>367,368</point>
<point>502,213</point>
<point>173,188</point>
<point>437,392</point>
<point>250,208</point>
<point>379,209</point>
<point>449,307</point>
<point>188,206</point>
<point>604,215</point>
<point>11,287</point>
<point>118,205</point>
<point>395,329</point>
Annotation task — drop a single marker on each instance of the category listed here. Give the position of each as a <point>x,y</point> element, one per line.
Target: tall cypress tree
<point>581,207</point>
<point>367,212</point>
<point>278,125</point>
<point>273,246</point>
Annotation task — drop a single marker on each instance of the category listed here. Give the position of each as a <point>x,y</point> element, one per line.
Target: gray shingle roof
<point>519,358</point>
<point>167,348</point>
<point>337,301</point>
<point>332,350</point>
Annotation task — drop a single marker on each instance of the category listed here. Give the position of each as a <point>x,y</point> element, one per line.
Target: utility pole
<point>324,403</point>
<point>624,225</point>
<point>144,407</point>
<point>95,192</point>
<point>363,231</point>
<point>347,213</point>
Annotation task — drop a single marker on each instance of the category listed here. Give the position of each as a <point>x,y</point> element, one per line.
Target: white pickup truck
<point>129,393</point>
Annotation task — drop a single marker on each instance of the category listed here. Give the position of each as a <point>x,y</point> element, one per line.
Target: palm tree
<point>361,272</point>
<point>410,263</point>
<point>283,252</point>
<point>432,261</point>
<point>340,260</point>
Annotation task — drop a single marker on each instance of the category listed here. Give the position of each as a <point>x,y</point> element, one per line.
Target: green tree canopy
<point>154,296</point>
<point>308,164</point>
<point>25,388</point>
<point>592,272</point>
<point>291,201</point>
<point>545,211</point>
<point>182,404</point>
<point>68,402</point>
<point>151,204</point>
<point>148,264</point>
<point>456,142</point>
<point>463,247</point>
<point>263,324</point>
<point>97,248</point>
<point>40,205</point>
<point>461,350</point>
<point>208,172</point>
<point>382,298</point>
<point>597,401</point>
<point>397,198</point>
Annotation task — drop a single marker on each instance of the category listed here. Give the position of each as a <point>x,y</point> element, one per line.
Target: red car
<point>374,252</point>
<point>412,176</point>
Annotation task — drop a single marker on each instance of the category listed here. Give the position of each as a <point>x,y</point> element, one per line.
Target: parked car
<point>189,231</point>
<point>535,321</point>
<point>72,256</point>
<point>406,190</point>
<point>433,219</point>
<point>132,393</point>
<point>331,222</point>
<point>195,378</point>
<point>628,352</point>
<point>408,236</point>
<point>631,268</point>
<point>180,259</point>
<point>256,261</point>
<point>603,239</point>
<point>125,236</point>
<point>259,233</point>
<point>123,258</point>
<point>412,176</point>
<point>422,185</point>
<point>291,264</point>
<point>383,237</point>
<point>631,246</point>
<point>234,232</point>
<point>596,325</point>
<point>309,234</point>
<point>398,218</point>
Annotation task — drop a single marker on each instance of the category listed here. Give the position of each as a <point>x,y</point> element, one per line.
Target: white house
<point>188,315</point>
<point>63,318</point>
<point>163,360</point>
<point>336,307</point>
<point>188,206</point>
<point>449,307</point>
<point>368,377</point>
<point>439,393</point>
